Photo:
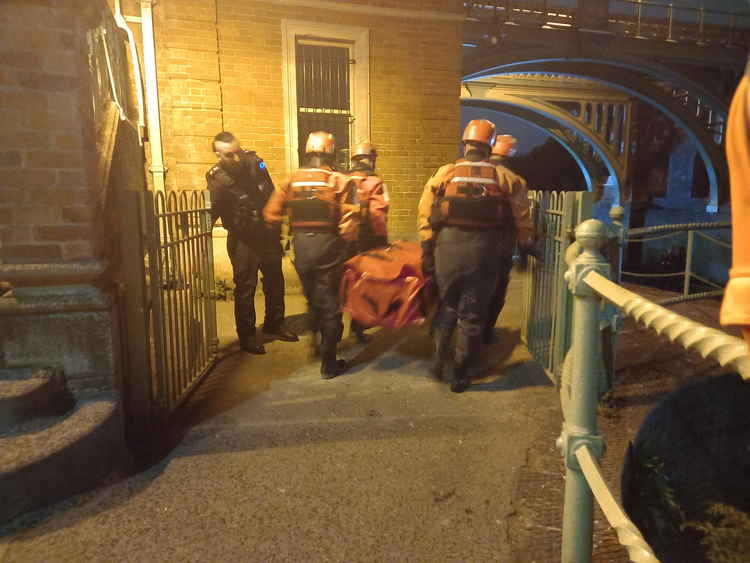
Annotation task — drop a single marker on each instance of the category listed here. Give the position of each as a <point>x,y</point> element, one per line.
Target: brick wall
<point>47,149</point>
<point>220,67</point>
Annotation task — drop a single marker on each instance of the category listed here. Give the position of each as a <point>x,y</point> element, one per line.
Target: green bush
<point>726,534</point>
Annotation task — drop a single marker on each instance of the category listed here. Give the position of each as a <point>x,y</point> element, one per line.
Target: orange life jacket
<point>314,202</point>
<point>471,196</point>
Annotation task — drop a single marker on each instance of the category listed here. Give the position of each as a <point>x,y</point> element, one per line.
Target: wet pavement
<point>382,463</point>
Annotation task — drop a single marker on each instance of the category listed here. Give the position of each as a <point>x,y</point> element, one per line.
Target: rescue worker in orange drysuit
<point>372,194</point>
<point>735,309</point>
<point>505,145</point>
<point>323,218</point>
<point>463,212</point>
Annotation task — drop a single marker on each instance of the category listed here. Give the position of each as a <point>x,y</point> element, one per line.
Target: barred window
<point>324,93</point>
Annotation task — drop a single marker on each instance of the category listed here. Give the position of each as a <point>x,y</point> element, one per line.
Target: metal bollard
<point>579,427</point>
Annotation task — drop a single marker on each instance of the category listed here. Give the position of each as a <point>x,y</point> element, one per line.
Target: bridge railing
<point>694,232</point>
<point>641,19</point>
<point>581,444</point>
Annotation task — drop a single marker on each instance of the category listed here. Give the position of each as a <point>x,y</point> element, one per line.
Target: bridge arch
<point>539,122</point>
<point>638,79</point>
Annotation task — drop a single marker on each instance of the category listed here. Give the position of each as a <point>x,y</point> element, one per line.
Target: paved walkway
<point>382,463</point>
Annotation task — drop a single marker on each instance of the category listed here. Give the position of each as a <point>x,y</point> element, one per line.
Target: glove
<point>524,253</point>
<point>428,258</point>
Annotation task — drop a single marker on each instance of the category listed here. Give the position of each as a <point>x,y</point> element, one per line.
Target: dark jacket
<point>238,199</point>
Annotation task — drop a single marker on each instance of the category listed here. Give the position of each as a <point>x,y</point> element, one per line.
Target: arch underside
<point>627,76</point>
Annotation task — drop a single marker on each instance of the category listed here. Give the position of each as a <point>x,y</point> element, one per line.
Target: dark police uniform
<point>239,200</point>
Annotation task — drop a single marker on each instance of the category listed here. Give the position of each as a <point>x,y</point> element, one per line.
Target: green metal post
<point>579,427</point>
<point>688,263</point>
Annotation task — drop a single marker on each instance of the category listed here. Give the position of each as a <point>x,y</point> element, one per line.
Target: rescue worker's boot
<point>330,366</point>
<point>461,379</point>
<point>440,351</point>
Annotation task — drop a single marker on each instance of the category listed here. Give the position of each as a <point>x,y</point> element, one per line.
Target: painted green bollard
<point>579,428</point>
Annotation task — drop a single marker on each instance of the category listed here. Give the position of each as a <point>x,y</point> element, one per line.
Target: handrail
<point>708,342</point>
<point>657,232</point>
<point>627,533</point>
<point>676,227</point>
<point>580,442</point>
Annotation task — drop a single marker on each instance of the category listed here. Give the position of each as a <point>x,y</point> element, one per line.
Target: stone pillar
<point>59,139</point>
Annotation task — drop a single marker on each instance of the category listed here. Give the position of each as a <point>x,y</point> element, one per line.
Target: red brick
<point>48,82</point>
<point>20,139</point>
<point>62,233</point>
<point>54,159</point>
<point>78,214</point>
<point>30,252</point>
<point>11,196</point>
<point>71,178</point>
<point>32,215</point>
<point>10,159</point>
<point>77,250</point>
<point>68,141</point>
<point>16,235</point>
<point>25,178</point>
<point>54,197</point>
<point>19,59</point>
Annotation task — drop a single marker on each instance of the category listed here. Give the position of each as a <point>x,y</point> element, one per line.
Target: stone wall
<point>61,140</point>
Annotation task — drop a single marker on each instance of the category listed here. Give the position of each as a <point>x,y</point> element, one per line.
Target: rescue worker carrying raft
<point>323,216</point>
<point>505,146</point>
<point>373,200</point>
<point>464,210</point>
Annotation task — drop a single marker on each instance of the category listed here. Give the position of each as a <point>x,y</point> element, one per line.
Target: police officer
<point>505,145</point>
<point>240,186</point>
<point>372,194</point>
<point>462,213</point>
<point>323,217</point>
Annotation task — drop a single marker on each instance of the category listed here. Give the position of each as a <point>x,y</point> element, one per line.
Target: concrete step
<point>47,459</point>
<point>30,392</point>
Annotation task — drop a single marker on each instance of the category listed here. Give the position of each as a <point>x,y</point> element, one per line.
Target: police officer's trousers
<point>247,257</point>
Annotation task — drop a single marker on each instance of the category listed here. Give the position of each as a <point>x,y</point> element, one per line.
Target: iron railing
<point>182,285</point>
<point>694,232</point>
<point>546,318</point>
<point>588,281</point>
<point>640,19</point>
<point>170,310</point>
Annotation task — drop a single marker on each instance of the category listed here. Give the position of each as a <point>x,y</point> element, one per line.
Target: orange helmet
<point>505,145</point>
<point>363,149</point>
<point>480,131</point>
<point>320,141</point>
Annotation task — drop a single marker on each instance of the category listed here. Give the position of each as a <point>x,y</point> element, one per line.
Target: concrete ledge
<point>26,393</point>
<point>48,465</point>
<point>55,299</point>
<point>54,273</point>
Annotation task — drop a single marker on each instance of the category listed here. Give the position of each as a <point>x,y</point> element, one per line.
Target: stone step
<point>48,459</point>
<point>31,392</point>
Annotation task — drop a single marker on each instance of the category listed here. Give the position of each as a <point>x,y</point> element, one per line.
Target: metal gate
<point>547,303</point>
<point>170,312</point>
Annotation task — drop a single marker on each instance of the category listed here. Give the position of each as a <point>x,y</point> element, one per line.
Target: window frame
<point>359,39</point>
